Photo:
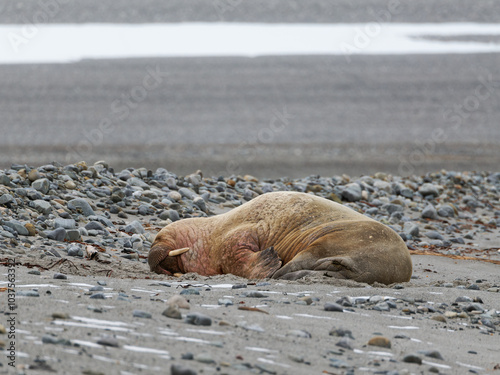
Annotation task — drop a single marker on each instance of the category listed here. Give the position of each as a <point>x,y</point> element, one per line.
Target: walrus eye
<point>174,253</point>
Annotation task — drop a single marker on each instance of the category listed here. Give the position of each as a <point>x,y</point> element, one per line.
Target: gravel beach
<point>78,296</point>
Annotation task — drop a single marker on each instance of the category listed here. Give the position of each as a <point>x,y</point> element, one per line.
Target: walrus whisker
<point>176,252</point>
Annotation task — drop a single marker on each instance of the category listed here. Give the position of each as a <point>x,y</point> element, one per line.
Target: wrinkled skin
<point>284,235</point>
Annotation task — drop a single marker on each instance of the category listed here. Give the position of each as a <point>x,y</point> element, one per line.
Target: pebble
<point>329,306</point>
<point>176,369</point>
<point>141,314</point>
<point>380,341</point>
<point>299,333</point>
<point>27,293</point>
<point>42,206</point>
<point>341,332</point>
<point>98,296</point>
<point>254,294</point>
<point>108,341</point>
<point>204,358</point>
<point>61,276</point>
<point>429,212</point>
<point>190,291</point>
<point>81,205</point>
<point>198,319</point>
<point>134,227</point>
<point>431,354</point>
<point>42,185</point>
<point>172,311</point>
<point>412,358</point>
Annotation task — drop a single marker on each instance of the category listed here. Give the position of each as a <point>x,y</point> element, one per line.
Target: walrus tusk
<point>174,253</point>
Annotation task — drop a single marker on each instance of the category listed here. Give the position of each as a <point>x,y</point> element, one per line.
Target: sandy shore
<point>60,329</point>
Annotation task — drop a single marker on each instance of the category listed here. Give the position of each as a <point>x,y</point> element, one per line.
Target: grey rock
<point>446,211</point>
<point>27,293</point>
<point>47,339</point>
<point>239,286</point>
<point>186,193</point>
<point>431,354</point>
<point>94,225</point>
<point>176,369</point>
<point>64,223</point>
<point>98,296</point>
<point>434,235</point>
<point>198,319</point>
<point>339,363</point>
<point>299,333</point>
<point>345,343</point>
<point>412,358</point>
<point>200,203</point>
<point>190,291</point>
<point>58,234</point>
<point>463,299</point>
<point>340,332</point>
<point>6,198</point>
<point>81,204</point>
<point>141,314</point>
<point>406,192</point>
<point>225,302</point>
<point>134,227</point>
<point>412,229</point>
<point>108,341</point>
<point>204,358</point>
<point>42,185</point>
<point>254,294</point>
<point>250,327</point>
<point>430,212</point>
<point>330,306</point>
<point>42,206</point>
<point>428,189</point>
<point>173,215</point>
<point>73,235</point>
<point>382,306</point>
<point>17,226</point>
<point>352,192</point>
<point>5,180</point>
<point>60,276</point>
<point>96,288</point>
<point>4,233</point>
<point>135,181</point>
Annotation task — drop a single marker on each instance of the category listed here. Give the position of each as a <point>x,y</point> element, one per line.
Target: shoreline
<point>104,314</point>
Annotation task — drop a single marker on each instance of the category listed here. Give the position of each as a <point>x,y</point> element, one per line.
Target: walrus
<point>283,235</point>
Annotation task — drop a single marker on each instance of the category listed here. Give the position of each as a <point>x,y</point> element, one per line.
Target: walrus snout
<point>163,260</point>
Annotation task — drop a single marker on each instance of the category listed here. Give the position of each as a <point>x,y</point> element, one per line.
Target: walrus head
<point>164,260</point>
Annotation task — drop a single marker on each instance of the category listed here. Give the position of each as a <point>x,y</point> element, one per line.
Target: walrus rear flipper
<point>259,264</point>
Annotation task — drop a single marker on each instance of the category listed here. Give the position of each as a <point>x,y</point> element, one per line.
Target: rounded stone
<point>380,341</point>
<point>42,185</point>
<point>34,175</point>
<point>429,212</point>
<point>172,311</point>
<point>81,204</point>
<point>352,192</point>
<point>198,319</point>
<point>6,198</point>
<point>330,306</point>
